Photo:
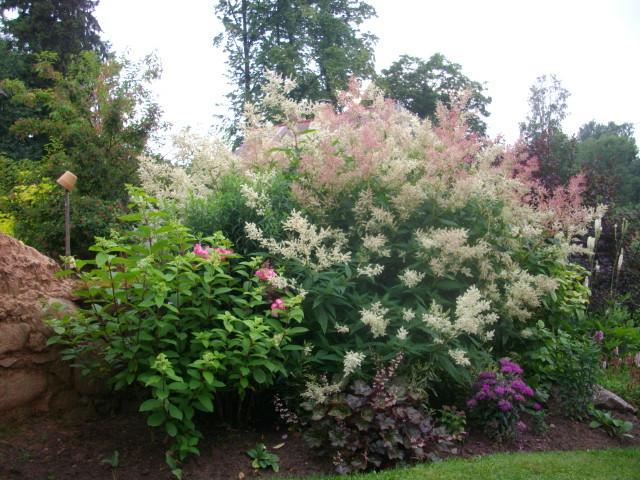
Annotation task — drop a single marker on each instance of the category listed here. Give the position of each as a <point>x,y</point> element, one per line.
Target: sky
<point>593,47</point>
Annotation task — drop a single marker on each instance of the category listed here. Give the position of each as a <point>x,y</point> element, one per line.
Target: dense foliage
<point>60,26</point>
<point>196,328</point>
<point>403,237</point>
<point>96,119</point>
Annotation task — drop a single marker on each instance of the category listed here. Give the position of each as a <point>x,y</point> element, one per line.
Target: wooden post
<point>67,181</point>
<point>67,223</point>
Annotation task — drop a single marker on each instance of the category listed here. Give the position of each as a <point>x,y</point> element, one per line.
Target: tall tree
<point>96,118</point>
<point>65,27</point>
<point>337,49</point>
<point>16,64</point>
<point>419,85</point>
<point>608,154</point>
<point>543,132</point>
<point>316,42</point>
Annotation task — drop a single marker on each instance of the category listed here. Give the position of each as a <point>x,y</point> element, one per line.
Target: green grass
<point>614,464</point>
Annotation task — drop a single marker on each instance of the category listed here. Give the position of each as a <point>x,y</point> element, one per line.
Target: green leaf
<point>151,404</point>
<point>205,401</point>
<point>171,429</point>
<point>101,259</point>
<point>259,375</point>
<point>156,419</point>
<point>175,412</point>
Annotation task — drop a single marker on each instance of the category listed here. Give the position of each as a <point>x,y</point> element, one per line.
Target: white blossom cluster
<point>352,362</point>
<point>374,318</point>
<point>254,193</point>
<point>370,270</point>
<point>459,356</point>
<point>448,250</point>
<point>410,278</point>
<point>408,314</point>
<point>472,316</point>
<point>376,244</point>
<point>319,392</point>
<point>316,247</point>
<point>473,313</point>
<point>402,333</point>
<point>342,328</point>
<point>197,164</point>
<point>524,292</point>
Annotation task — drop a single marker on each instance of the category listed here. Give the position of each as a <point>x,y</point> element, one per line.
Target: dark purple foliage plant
<point>373,426</point>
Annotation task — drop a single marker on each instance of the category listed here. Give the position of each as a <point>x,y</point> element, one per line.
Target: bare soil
<point>48,448</point>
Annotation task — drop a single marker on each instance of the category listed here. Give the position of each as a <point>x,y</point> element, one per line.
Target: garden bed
<point>65,448</point>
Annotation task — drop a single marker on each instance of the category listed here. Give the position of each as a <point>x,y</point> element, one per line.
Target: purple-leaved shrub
<point>370,426</point>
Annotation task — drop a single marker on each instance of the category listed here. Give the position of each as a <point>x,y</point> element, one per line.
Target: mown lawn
<point>614,464</point>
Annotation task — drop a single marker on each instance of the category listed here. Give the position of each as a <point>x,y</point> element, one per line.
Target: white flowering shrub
<point>405,236</point>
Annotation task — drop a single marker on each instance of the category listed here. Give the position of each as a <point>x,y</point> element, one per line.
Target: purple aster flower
<point>500,390</point>
<point>504,405</point>
<point>507,366</point>
<point>537,407</point>
<point>473,403</point>
<point>518,397</point>
<point>518,385</point>
<point>598,336</point>
<point>487,376</point>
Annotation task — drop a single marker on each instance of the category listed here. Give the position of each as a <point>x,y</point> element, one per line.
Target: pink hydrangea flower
<point>223,252</point>
<point>277,304</point>
<point>265,273</point>
<point>200,251</point>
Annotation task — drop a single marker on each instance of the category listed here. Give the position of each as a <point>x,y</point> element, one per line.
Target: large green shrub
<point>563,364</point>
<point>404,237</point>
<point>194,328</point>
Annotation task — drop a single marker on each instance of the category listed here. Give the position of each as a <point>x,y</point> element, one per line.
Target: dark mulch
<point>48,448</point>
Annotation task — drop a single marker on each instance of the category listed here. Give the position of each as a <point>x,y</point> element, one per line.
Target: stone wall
<point>32,376</point>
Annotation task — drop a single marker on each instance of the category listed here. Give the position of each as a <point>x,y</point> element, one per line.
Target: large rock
<point>20,387</point>
<point>30,372</point>
<point>605,399</point>
<point>13,336</point>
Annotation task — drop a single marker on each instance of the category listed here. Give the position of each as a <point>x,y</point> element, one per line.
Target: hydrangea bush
<point>193,326</point>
